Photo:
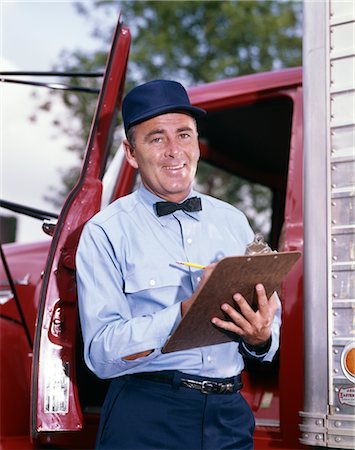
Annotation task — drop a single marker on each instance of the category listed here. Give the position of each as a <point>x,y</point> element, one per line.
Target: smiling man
<point>132,294</point>
<point>167,154</point>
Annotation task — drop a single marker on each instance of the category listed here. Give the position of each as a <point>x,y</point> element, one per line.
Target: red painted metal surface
<point>244,89</point>
<point>53,298</point>
<point>55,403</point>
<point>26,262</point>
<point>292,345</point>
<point>15,370</point>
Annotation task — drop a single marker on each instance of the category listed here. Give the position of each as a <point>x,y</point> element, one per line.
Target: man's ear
<point>130,154</point>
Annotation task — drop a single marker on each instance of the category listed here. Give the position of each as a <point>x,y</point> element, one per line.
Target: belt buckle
<point>229,387</point>
<point>207,387</point>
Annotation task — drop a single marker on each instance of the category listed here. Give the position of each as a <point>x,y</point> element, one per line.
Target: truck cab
<point>251,137</point>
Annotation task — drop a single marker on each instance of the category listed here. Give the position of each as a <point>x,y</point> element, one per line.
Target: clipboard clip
<point>258,246</point>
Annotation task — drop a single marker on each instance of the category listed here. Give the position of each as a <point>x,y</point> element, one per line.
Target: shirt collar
<point>149,199</point>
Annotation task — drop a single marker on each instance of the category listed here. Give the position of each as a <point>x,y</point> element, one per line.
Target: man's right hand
<point>186,304</point>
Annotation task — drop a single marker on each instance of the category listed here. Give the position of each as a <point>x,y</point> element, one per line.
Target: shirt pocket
<point>149,290</point>
<point>146,278</point>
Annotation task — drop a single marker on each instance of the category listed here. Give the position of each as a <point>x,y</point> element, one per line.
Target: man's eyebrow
<point>162,131</point>
<point>152,132</point>
<point>180,130</point>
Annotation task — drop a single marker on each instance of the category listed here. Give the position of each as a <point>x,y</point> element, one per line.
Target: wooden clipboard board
<point>232,274</point>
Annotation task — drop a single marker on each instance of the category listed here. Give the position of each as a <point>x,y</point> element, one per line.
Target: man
<point>132,294</point>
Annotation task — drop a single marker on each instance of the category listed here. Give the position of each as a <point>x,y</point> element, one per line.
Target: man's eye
<point>184,135</point>
<point>157,140</point>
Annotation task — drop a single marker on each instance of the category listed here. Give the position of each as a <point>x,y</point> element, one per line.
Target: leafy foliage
<point>191,42</point>
<point>198,41</point>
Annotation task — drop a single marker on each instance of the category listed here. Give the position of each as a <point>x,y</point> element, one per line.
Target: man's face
<point>166,153</point>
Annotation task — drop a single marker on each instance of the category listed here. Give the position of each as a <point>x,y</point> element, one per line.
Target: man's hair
<point>131,136</point>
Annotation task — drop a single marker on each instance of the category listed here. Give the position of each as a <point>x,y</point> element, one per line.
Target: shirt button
<point>189,240</point>
<point>152,282</point>
<point>209,358</point>
<point>198,279</point>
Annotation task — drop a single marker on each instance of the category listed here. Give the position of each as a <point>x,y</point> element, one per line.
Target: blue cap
<point>155,98</point>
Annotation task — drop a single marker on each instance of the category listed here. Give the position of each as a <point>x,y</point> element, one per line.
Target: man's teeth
<point>180,166</point>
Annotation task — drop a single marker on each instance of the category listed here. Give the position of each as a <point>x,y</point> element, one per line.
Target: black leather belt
<point>204,386</point>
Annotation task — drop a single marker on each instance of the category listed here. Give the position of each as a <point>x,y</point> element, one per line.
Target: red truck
<point>257,128</point>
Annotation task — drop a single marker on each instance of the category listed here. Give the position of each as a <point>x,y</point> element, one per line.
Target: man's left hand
<point>253,326</point>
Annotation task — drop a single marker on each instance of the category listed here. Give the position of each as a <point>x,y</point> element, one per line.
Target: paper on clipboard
<point>231,275</point>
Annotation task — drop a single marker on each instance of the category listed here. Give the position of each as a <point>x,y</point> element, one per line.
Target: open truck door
<point>55,403</point>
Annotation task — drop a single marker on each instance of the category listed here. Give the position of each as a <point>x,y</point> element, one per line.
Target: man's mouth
<point>176,167</point>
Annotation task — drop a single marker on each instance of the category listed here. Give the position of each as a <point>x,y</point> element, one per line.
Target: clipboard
<point>232,274</point>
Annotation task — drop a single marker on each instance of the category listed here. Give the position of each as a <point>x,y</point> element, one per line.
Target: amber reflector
<point>349,361</point>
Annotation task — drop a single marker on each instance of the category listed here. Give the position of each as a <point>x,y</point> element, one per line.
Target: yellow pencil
<point>197,266</point>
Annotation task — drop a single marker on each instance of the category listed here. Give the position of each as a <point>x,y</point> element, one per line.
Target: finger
<point>235,316</point>
<point>227,326</point>
<point>246,310</point>
<point>263,303</point>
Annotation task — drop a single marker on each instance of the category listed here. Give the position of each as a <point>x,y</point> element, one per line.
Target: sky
<point>32,153</point>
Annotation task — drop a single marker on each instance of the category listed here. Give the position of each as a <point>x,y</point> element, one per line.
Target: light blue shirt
<point>130,287</point>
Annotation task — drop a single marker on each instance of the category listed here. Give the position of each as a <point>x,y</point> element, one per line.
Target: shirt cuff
<point>258,350</point>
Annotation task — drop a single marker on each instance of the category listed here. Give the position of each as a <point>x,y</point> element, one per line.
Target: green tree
<point>191,42</point>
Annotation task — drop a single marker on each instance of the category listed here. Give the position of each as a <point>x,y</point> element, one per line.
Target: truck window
<point>254,199</point>
<point>251,142</point>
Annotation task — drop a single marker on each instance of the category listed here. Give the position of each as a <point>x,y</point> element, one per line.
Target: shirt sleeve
<point>275,339</point>
<point>109,331</point>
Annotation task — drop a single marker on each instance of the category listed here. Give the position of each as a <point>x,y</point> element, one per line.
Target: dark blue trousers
<point>144,414</point>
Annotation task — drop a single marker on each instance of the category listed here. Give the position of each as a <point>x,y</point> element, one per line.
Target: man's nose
<point>173,148</point>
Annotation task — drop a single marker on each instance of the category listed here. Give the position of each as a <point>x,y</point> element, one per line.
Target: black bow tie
<point>190,205</point>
